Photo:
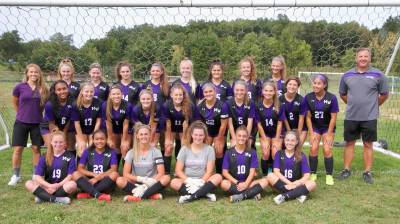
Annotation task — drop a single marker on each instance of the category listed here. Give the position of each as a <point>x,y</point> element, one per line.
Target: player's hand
<point>241,186</point>
<point>232,142</point>
<point>111,143</point>
<point>329,139</point>
<point>290,186</point>
<point>93,181</point>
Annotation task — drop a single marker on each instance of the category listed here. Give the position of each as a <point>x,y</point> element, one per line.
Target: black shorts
<point>367,130</point>
<point>21,132</point>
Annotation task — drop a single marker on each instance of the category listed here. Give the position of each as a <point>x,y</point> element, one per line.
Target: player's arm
<point>309,122</point>
<point>228,176</point>
<point>277,172</point>
<point>82,169</point>
<point>287,126</point>
<point>160,171</point>
<point>250,177</point>
<point>40,180</point>
<point>97,125</point>
<point>278,130</point>
<point>15,102</point>
<point>52,126</point>
<point>179,170</point>
<point>209,170</point>
<point>127,172</point>
<point>382,98</point>
<point>332,122</point>
<point>302,180</point>
<point>249,125</point>
<point>231,130</point>
<point>344,98</point>
<point>261,131</point>
<point>301,123</point>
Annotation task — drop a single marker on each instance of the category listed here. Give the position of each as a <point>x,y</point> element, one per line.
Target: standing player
<point>97,169</point>
<point>194,168</point>
<point>241,112</point>
<point>52,181</point>
<point>278,76</point>
<point>28,100</point>
<point>86,116</point>
<point>239,168</point>
<point>248,73</point>
<point>187,79</point>
<point>101,89</point>
<point>66,72</point>
<point>130,89</point>
<point>270,116</point>
<point>216,77</point>
<point>363,89</point>
<point>294,108</point>
<point>291,177</point>
<point>214,114</point>
<point>322,108</point>
<point>115,120</point>
<point>143,164</point>
<point>177,113</point>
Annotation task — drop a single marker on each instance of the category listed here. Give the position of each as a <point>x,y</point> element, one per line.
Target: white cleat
<point>279,199</point>
<point>14,180</point>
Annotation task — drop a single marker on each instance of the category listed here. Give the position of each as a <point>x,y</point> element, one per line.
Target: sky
<point>86,23</point>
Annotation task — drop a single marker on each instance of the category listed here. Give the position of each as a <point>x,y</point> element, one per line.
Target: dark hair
<point>214,63</point>
<point>293,78</point>
<point>323,78</point>
<point>92,146</point>
<point>55,104</point>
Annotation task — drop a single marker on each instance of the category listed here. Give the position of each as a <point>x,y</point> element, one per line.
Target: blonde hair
<point>118,69</point>
<point>246,96</point>
<point>163,79</point>
<point>187,140</point>
<point>192,81</point>
<point>66,62</point>
<point>109,104</point>
<point>50,151</point>
<point>135,148</point>
<point>253,73</point>
<point>79,99</point>
<point>40,83</point>
<point>275,98</point>
<point>281,60</point>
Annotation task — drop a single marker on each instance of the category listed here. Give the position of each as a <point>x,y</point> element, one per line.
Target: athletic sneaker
<point>344,174</point>
<point>184,199</point>
<point>38,200</point>
<point>279,199</point>
<point>211,197</point>
<point>329,180</point>
<point>313,177</point>
<point>128,198</point>
<point>257,197</point>
<point>157,196</point>
<point>63,200</point>
<point>367,176</point>
<point>236,198</point>
<point>83,195</point>
<point>302,198</point>
<point>104,197</point>
<point>14,180</point>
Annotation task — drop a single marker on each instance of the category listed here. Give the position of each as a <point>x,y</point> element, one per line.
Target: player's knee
<point>121,182</point>
<point>164,180</point>
<point>311,185</point>
<point>176,183</point>
<point>70,187</point>
<point>76,175</point>
<point>113,176</point>
<point>216,179</point>
<point>225,185</point>
<point>30,185</point>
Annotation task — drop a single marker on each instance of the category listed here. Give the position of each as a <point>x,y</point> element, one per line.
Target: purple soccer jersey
<point>98,165</point>
<point>293,109</point>
<point>268,118</point>
<point>241,114</point>
<point>212,116</point>
<point>280,84</point>
<point>117,116</point>
<point>321,110</point>
<point>188,88</point>
<point>130,92</point>
<point>61,116</point>
<point>289,165</point>
<point>158,95</point>
<point>55,175</point>
<point>241,165</point>
<point>223,91</point>
<point>137,114</point>
<point>87,116</point>
<point>253,90</point>
<point>29,110</point>
<point>175,117</point>
<point>73,89</point>
<point>101,91</point>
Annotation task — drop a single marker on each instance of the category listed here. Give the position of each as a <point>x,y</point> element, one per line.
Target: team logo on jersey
<point>74,87</point>
<point>69,106</point>
<point>246,107</point>
<point>217,110</point>
<point>121,111</point>
<point>247,154</point>
<point>210,122</point>
<point>95,108</point>
<point>64,158</point>
<point>107,155</point>
<point>327,101</point>
<point>297,103</point>
<point>132,87</point>
<point>102,88</point>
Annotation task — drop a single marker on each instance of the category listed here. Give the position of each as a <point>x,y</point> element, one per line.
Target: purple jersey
<point>188,88</point>
<point>253,89</point>
<point>239,164</point>
<point>175,117</point>
<point>73,89</point>
<point>55,173</point>
<point>321,110</point>
<point>101,91</point>
<point>87,116</point>
<point>61,115</point>
<point>268,118</point>
<point>280,84</point>
<point>288,171</point>
<point>212,116</point>
<point>240,114</point>
<point>137,114</point>
<point>158,96</point>
<point>224,90</point>
<point>130,92</point>
<point>293,109</point>
<point>29,110</point>
<point>117,116</point>
<point>98,162</point>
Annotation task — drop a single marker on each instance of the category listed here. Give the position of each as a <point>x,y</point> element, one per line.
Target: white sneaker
<point>211,197</point>
<point>257,197</point>
<point>63,200</point>
<point>279,199</point>
<point>38,200</point>
<point>14,180</point>
<point>184,199</point>
<point>302,198</point>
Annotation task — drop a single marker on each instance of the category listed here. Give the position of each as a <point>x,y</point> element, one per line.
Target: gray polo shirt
<point>145,165</point>
<point>362,91</point>
<point>195,164</point>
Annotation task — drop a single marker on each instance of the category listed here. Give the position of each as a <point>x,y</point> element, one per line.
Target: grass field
<point>349,201</point>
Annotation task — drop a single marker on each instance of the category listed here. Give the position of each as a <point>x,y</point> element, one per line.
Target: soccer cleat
<point>367,176</point>
<point>257,197</point>
<point>63,200</point>
<point>131,198</point>
<point>344,174</point>
<point>302,198</point>
<point>156,196</point>
<point>104,197</point>
<point>329,180</point>
<point>313,177</point>
<point>83,195</point>
<point>38,200</point>
<point>236,198</point>
<point>14,180</point>
<point>279,199</point>
<point>184,199</point>
<point>211,197</point>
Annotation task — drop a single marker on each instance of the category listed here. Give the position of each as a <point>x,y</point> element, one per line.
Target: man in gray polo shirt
<point>363,89</point>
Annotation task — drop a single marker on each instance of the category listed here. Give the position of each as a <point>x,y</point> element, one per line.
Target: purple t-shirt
<point>117,117</point>
<point>321,110</point>
<point>29,110</point>
<point>269,118</point>
<point>289,165</point>
<point>293,110</point>
<point>175,117</point>
<point>212,116</point>
<point>240,163</point>
<point>62,117</point>
<point>88,120</point>
<point>238,113</point>
<point>56,167</point>
<point>101,91</point>
<point>98,160</point>
<point>188,88</point>
<point>130,92</point>
<point>224,90</point>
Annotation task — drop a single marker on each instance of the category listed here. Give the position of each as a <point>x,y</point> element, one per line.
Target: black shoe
<point>344,174</point>
<point>367,176</point>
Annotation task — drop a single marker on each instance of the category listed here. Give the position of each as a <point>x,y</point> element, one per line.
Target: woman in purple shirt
<point>101,89</point>
<point>52,181</point>
<point>130,89</point>
<point>278,75</point>
<point>291,176</point>
<point>28,101</point>
<point>66,72</point>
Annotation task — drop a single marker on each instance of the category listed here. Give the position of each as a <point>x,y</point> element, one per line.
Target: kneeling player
<point>291,176</point>
<point>143,164</point>
<point>53,175</point>
<point>239,168</point>
<point>97,169</point>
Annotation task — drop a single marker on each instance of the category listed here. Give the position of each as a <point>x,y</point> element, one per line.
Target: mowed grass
<point>349,201</point>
